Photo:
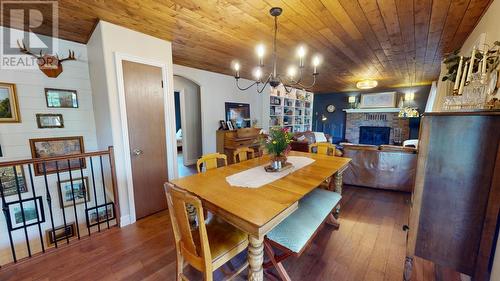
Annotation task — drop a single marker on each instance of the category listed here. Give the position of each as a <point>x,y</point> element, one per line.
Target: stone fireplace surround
<point>354,120</point>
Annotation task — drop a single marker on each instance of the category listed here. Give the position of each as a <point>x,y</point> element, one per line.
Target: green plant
<point>278,141</point>
<point>452,60</point>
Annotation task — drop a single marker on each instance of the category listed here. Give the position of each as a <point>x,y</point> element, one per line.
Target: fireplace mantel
<point>369,110</point>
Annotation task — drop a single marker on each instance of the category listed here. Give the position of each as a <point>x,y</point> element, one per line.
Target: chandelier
<point>274,79</point>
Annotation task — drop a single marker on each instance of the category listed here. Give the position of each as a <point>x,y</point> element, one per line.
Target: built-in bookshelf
<point>291,110</point>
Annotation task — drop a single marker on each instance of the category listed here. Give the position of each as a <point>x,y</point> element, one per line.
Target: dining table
<point>256,211</point>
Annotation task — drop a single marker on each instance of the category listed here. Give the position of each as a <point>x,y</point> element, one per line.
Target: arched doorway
<point>188,124</point>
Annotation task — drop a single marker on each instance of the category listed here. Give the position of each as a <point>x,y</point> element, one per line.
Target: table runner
<point>257,177</point>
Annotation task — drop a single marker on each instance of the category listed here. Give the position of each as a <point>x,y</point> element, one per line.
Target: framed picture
<point>60,233</point>
<point>59,98</point>
<point>80,191</point>
<point>230,125</point>
<point>51,147</point>
<point>223,125</point>
<point>49,121</point>
<point>33,213</point>
<point>378,100</point>
<point>9,107</point>
<point>103,212</point>
<point>8,178</point>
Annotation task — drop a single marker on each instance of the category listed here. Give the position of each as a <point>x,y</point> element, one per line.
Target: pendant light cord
<point>275,56</point>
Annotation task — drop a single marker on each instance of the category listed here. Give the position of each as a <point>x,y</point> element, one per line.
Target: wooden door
<point>146,130</point>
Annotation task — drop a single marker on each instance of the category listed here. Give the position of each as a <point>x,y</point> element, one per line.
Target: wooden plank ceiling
<point>398,42</point>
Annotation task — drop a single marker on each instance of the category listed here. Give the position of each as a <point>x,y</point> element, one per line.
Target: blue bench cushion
<point>294,232</point>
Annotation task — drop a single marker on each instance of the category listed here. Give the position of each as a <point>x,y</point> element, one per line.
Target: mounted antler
<point>71,56</point>
<point>26,51</point>
<point>48,64</point>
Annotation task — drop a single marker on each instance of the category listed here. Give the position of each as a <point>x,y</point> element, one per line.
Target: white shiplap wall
<point>14,137</point>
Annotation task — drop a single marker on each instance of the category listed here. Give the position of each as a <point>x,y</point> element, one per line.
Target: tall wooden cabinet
<point>456,199</point>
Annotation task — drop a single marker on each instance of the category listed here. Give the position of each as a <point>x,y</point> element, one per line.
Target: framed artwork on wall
<point>80,192</point>
<point>59,98</point>
<point>9,106</point>
<point>60,233</point>
<point>378,100</point>
<point>100,214</point>
<point>51,147</point>
<point>49,121</point>
<point>8,176</point>
<point>32,209</point>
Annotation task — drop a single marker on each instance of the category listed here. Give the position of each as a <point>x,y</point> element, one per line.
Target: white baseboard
<point>124,220</point>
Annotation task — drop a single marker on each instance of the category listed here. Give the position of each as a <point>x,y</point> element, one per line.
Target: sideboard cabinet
<point>456,199</point>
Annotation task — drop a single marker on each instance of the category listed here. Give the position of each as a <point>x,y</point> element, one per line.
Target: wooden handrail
<point>56,158</point>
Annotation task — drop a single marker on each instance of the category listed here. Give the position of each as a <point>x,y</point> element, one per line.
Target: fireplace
<point>374,135</point>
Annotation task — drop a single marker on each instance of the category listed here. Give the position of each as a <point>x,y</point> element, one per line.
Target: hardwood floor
<point>370,245</point>
<point>184,170</point>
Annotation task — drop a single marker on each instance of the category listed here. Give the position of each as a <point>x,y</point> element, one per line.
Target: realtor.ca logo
<point>22,46</point>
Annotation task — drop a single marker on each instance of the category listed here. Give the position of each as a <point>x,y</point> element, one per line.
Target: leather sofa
<point>385,167</point>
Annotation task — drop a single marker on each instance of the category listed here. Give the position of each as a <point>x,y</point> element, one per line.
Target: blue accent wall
<point>177,101</point>
<point>335,123</point>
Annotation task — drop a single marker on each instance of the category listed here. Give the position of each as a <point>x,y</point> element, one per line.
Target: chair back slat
<point>241,154</point>
<point>323,148</point>
<point>209,161</point>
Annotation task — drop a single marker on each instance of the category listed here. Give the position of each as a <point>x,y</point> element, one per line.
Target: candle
<point>459,73</point>
<point>485,57</point>
<point>471,64</point>
<point>462,81</point>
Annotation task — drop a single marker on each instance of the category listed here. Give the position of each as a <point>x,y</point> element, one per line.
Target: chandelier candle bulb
<point>260,54</point>
<point>315,64</point>
<point>459,72</point>
<point>258,74</point>
<point>462,81</point>
<point>291,72</point>
<point>237,70</point>
<point>302,53</point>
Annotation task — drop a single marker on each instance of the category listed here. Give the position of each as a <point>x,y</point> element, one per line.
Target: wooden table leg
<point>337,178</point>
<point>255,258</point>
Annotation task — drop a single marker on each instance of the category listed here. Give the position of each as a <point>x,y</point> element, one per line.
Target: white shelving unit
<point>293,110</point>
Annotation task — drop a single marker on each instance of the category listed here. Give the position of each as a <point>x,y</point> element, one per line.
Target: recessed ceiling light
<point>366,84</point>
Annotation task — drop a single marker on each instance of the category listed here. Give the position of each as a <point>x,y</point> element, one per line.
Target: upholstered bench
<point>294,233</point>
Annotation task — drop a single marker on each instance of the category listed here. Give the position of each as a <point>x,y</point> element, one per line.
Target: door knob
<point>137,152</point>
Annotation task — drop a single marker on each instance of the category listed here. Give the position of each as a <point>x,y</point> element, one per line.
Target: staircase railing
<point>51,202</point>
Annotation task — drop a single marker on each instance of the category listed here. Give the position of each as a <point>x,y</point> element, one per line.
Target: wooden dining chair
<point>209,161</point>
<point>324,148</point>
<point>209,246</point>
<point>241,154</point>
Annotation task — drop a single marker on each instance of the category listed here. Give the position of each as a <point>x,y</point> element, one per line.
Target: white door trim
<point>169,110</point>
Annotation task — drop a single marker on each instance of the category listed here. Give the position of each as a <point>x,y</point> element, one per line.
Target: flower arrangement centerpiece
<point>277,144</point>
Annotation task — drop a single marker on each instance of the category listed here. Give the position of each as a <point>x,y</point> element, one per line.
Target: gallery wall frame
<point>49,120</point>
<point>61,98</point>
<point>9,104</point>
<point>57,146</point>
